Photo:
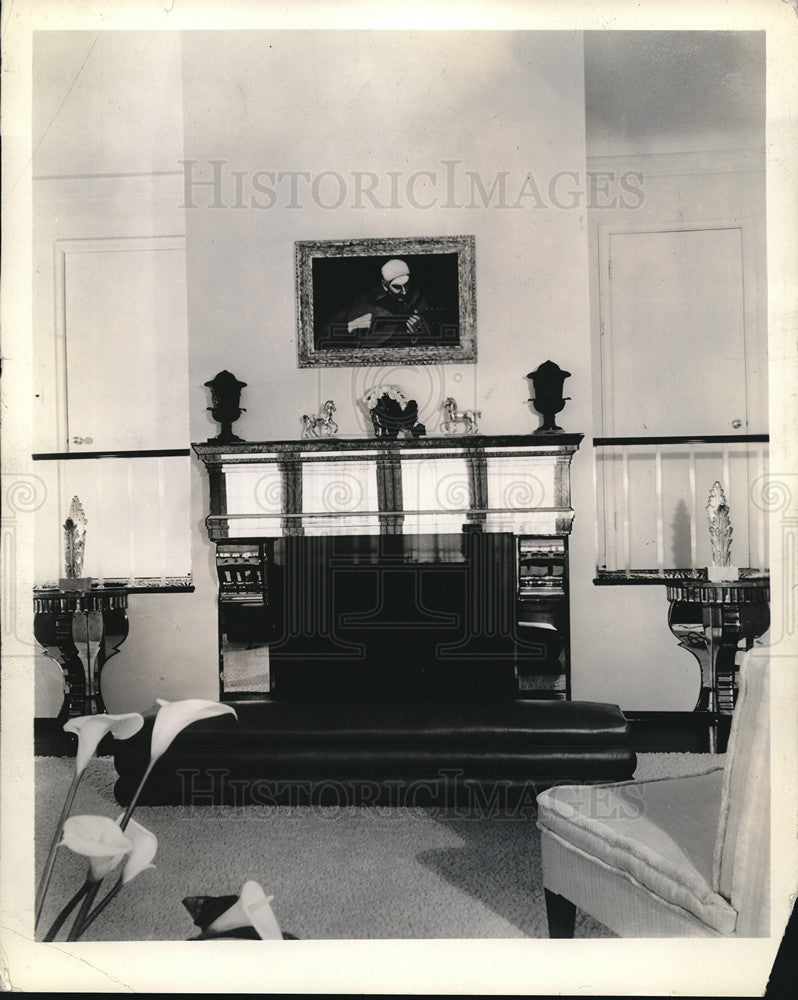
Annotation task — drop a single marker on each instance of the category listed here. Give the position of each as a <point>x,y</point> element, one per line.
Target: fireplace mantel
<point>360,486</point>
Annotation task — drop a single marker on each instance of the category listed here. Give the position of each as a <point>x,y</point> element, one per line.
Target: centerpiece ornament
<point>391,412</point>
<point>720,535</point>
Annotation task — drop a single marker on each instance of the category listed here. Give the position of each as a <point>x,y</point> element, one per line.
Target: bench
<point>425,751</point>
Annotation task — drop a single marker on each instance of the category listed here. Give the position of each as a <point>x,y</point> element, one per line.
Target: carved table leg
<point>713,622</point>
<point>81,642</point>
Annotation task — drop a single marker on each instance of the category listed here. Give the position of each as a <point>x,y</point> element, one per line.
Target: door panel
<point>674,350</point>
<point>126,344</point>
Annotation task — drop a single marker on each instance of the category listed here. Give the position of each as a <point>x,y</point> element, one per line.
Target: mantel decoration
<point>720,534</point>
<point>391,412</point>
<point>225,396</point>
<point>459,421</point>
<point>321,426</point>
<point>547,381</point>
<point>110,845</point>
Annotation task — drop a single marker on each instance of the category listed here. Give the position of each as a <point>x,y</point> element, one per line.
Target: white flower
<point>174,716</point>
<point>252,909</point>
<point>145,846</point>
<point>375,394</point>
<point>99,839</point>
<point>90,729</point>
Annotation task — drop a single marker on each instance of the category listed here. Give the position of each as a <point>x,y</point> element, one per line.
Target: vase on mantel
<point>391,412</point>
<point>226,398</point>
<point>547,381</point>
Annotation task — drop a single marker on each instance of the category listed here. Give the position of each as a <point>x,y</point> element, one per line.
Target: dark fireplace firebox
<point>390,615</point>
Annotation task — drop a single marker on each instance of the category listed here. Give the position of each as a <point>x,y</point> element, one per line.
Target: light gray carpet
<point>335,873</point>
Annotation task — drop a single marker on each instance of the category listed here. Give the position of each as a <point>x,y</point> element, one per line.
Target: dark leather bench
<point>477,752</point>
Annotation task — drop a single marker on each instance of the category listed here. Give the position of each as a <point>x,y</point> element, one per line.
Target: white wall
<point>107,138</point>
<point>387,104</point>
<point>395,102</point>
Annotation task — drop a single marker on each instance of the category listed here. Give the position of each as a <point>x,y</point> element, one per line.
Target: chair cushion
<point>743,841</point>
<point>661,833</point>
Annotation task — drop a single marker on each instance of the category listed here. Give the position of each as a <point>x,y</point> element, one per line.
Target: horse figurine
<point>321,426</point>
<point>454,417</point>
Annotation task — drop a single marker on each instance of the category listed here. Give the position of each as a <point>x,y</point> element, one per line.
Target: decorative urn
<point>547,382</point>
<point>226,396</point>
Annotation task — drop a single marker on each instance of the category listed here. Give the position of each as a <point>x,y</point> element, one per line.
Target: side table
<point>80,630</point>
<point>713,621</point>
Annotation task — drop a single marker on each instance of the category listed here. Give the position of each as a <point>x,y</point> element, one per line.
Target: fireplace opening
<point>396,616</point>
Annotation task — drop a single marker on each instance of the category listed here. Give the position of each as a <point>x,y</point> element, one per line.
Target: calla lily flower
<point>257,906</point>
<point>90,729</point>
<point>145,846</point>
<point>253,909</point>
<point>172,719</point>
<point>100,840</point>
<point>174,716</point>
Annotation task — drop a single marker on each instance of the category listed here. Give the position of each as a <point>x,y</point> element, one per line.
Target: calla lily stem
<point>49,864</point>
<point>134,800</point>
<point>100,907</point>
<point>79,926</point>
<point>59,920</point>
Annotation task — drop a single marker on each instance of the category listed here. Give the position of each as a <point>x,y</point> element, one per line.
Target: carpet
<point>335,873</point>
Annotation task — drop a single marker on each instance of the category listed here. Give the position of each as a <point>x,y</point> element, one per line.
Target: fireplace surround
<point>364,566</point>
<point>412,595</point>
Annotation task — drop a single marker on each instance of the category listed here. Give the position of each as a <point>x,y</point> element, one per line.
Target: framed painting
<point>377,301</point>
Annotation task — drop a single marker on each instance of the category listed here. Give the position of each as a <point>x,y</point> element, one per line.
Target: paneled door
<point>125,343</point>
<point>679,347</point>
<point>121,344</point>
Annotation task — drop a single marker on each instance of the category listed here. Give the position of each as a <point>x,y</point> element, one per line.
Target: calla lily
<point>100,840</point>
<point>90,729</point>
<point>172,719</point>
<point>253,909</point>
<point>174,716</point>
<point>145,846</point>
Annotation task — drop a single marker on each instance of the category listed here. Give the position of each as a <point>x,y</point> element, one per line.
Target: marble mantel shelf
<point>441,485</point>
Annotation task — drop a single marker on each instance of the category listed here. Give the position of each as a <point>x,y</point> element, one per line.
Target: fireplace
<point>385,568</point>
<point>410,598</point>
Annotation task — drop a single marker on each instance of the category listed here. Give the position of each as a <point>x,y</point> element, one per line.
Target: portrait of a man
<point>394,311</point>
<point>386,299</point>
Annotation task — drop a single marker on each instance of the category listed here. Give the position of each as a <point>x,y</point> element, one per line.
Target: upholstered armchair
<point>672,857</point>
